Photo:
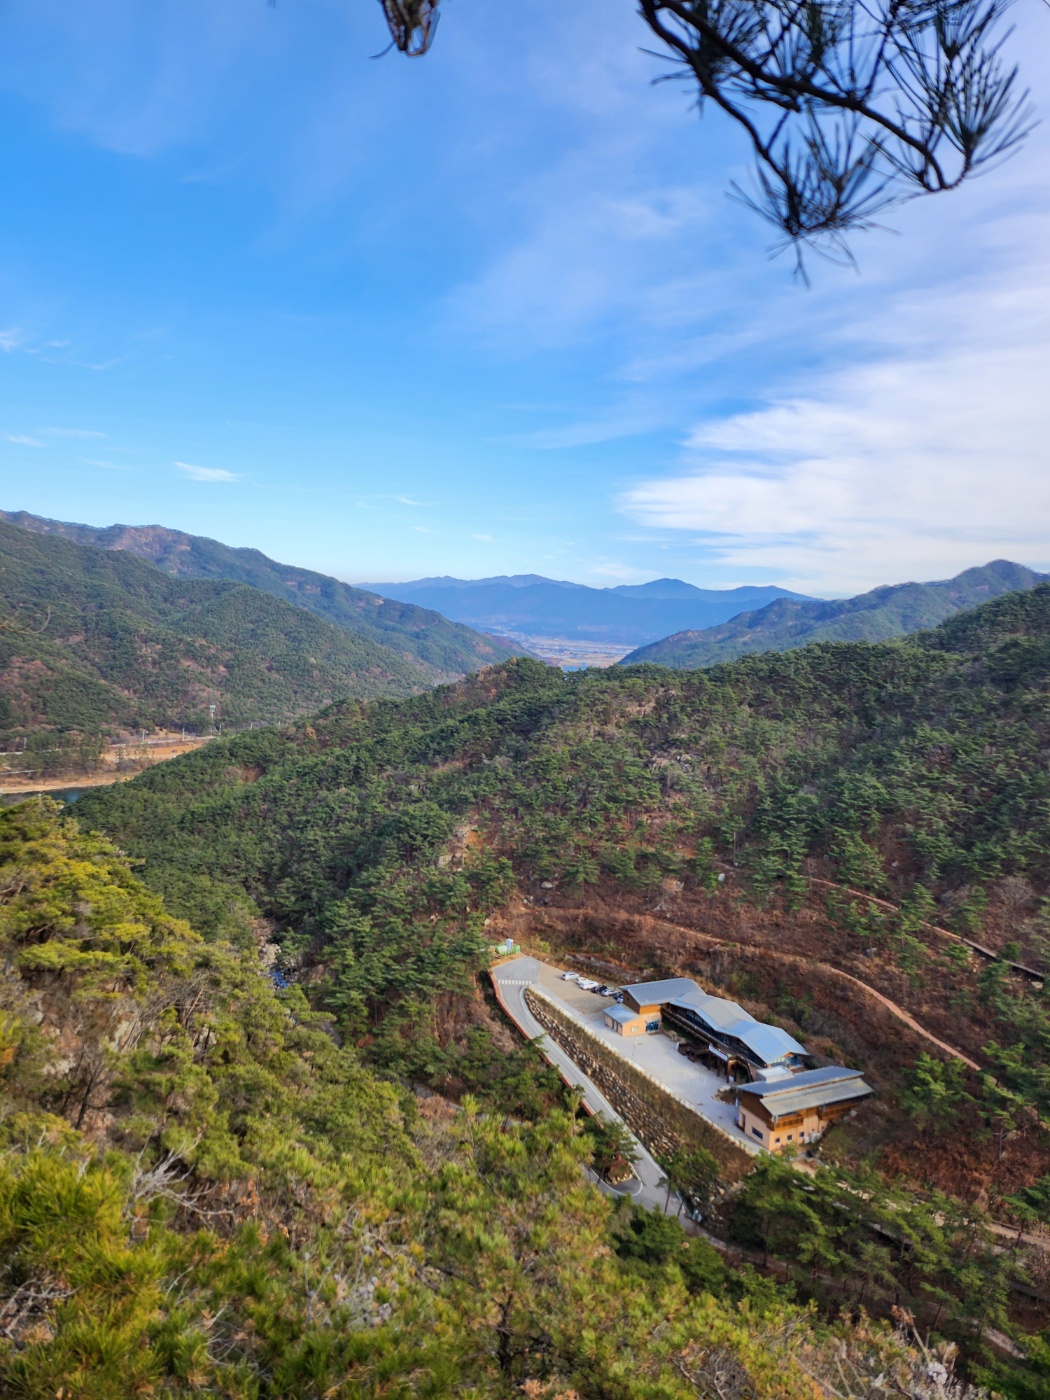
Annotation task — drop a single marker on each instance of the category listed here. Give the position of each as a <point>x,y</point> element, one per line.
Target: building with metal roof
<point>651,996</point>
<point>731,1032</point>
<point>800,1107</point>
<point>731,1029</point>
<point>808,1079</point>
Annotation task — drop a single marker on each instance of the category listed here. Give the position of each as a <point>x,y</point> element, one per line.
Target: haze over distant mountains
<point>531,606</point>
<point>890,611</point>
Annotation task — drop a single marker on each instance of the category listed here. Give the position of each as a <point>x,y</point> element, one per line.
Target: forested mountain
<point>443,650</point>
<point>806,832</point>
<point>892,611</point>
<point>94,641</point>
<point>529,605</point>
<point>202,1192</point>
<point>814,833</point>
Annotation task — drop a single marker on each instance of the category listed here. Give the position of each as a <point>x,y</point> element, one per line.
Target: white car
<point>586,984</point>
<point>570,977</point>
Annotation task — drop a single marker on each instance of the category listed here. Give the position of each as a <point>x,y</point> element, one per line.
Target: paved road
<point>655,1055</point>
<point>511,979</point>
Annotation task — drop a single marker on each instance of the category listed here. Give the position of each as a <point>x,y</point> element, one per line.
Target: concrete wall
<point>661,1123</point>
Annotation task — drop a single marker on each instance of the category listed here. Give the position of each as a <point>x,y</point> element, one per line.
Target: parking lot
<point>656,1054</point>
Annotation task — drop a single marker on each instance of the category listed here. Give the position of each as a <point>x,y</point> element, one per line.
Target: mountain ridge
<point>787,829</point>
<point>445,649</point>
<point>891,610</point>
<point>528,605</point>
<point>95,641</point>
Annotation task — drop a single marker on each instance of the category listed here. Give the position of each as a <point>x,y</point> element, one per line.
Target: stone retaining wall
<point>660,1121</point>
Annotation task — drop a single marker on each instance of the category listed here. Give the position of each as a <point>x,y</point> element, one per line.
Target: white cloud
<point>11,339</point>
<point>928,456</point>
<point>622,573</point>
<point>587,433</point>
<point>22,440</point>
<point>206,473</point>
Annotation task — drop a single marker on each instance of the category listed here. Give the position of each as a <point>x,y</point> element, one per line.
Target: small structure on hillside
<point>625,1020</point>
<point>798,1108</point>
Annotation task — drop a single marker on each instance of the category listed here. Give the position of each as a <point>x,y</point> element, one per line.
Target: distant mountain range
<point>890,611</point>
<point>531,606</point>
<point>438,649</point>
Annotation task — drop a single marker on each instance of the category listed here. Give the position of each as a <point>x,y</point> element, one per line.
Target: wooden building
<point>798,1108</point>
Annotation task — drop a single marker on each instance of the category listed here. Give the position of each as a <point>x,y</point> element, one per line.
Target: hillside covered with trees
<point>204,1192</point>
<point>807,832</point>
<point>895,610</point>
<point>95,642</point>
<point>431,645</point>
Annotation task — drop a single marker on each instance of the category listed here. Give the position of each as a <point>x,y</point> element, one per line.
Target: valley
<point>841,841</point>
<point>524,701</point>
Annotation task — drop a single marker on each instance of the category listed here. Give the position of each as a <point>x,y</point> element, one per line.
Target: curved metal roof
<point>656,993</point>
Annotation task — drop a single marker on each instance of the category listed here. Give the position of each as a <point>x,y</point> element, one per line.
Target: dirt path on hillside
<point>786,959</point>
<point>1030,972</point>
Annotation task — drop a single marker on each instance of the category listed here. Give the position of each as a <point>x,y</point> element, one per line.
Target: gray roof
<point>653,993</point>
<point>769,1043</point>
<point>828,1075</point>
<point>783,1097</point>
<point>717,1012</point>
<point>623,1014</point>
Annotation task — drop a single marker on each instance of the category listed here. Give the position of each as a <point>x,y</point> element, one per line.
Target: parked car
<point>587,984</point>
<point>570,977</point>
<point>617,996</point>
<point>604,991</point>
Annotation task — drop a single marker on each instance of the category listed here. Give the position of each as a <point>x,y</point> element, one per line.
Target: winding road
<point>509,981</point>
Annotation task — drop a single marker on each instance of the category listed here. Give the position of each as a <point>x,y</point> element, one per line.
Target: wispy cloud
<point>587,433</point>
<point>109,466</point>
<point>11,339</point>
<point>22,440</point>
<point>73,433</point>
<point>195,473</point>
<point>622,573</point>
<point>925,458</point>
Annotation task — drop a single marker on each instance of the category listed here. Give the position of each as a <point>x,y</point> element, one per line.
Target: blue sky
<point>490,311</point>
